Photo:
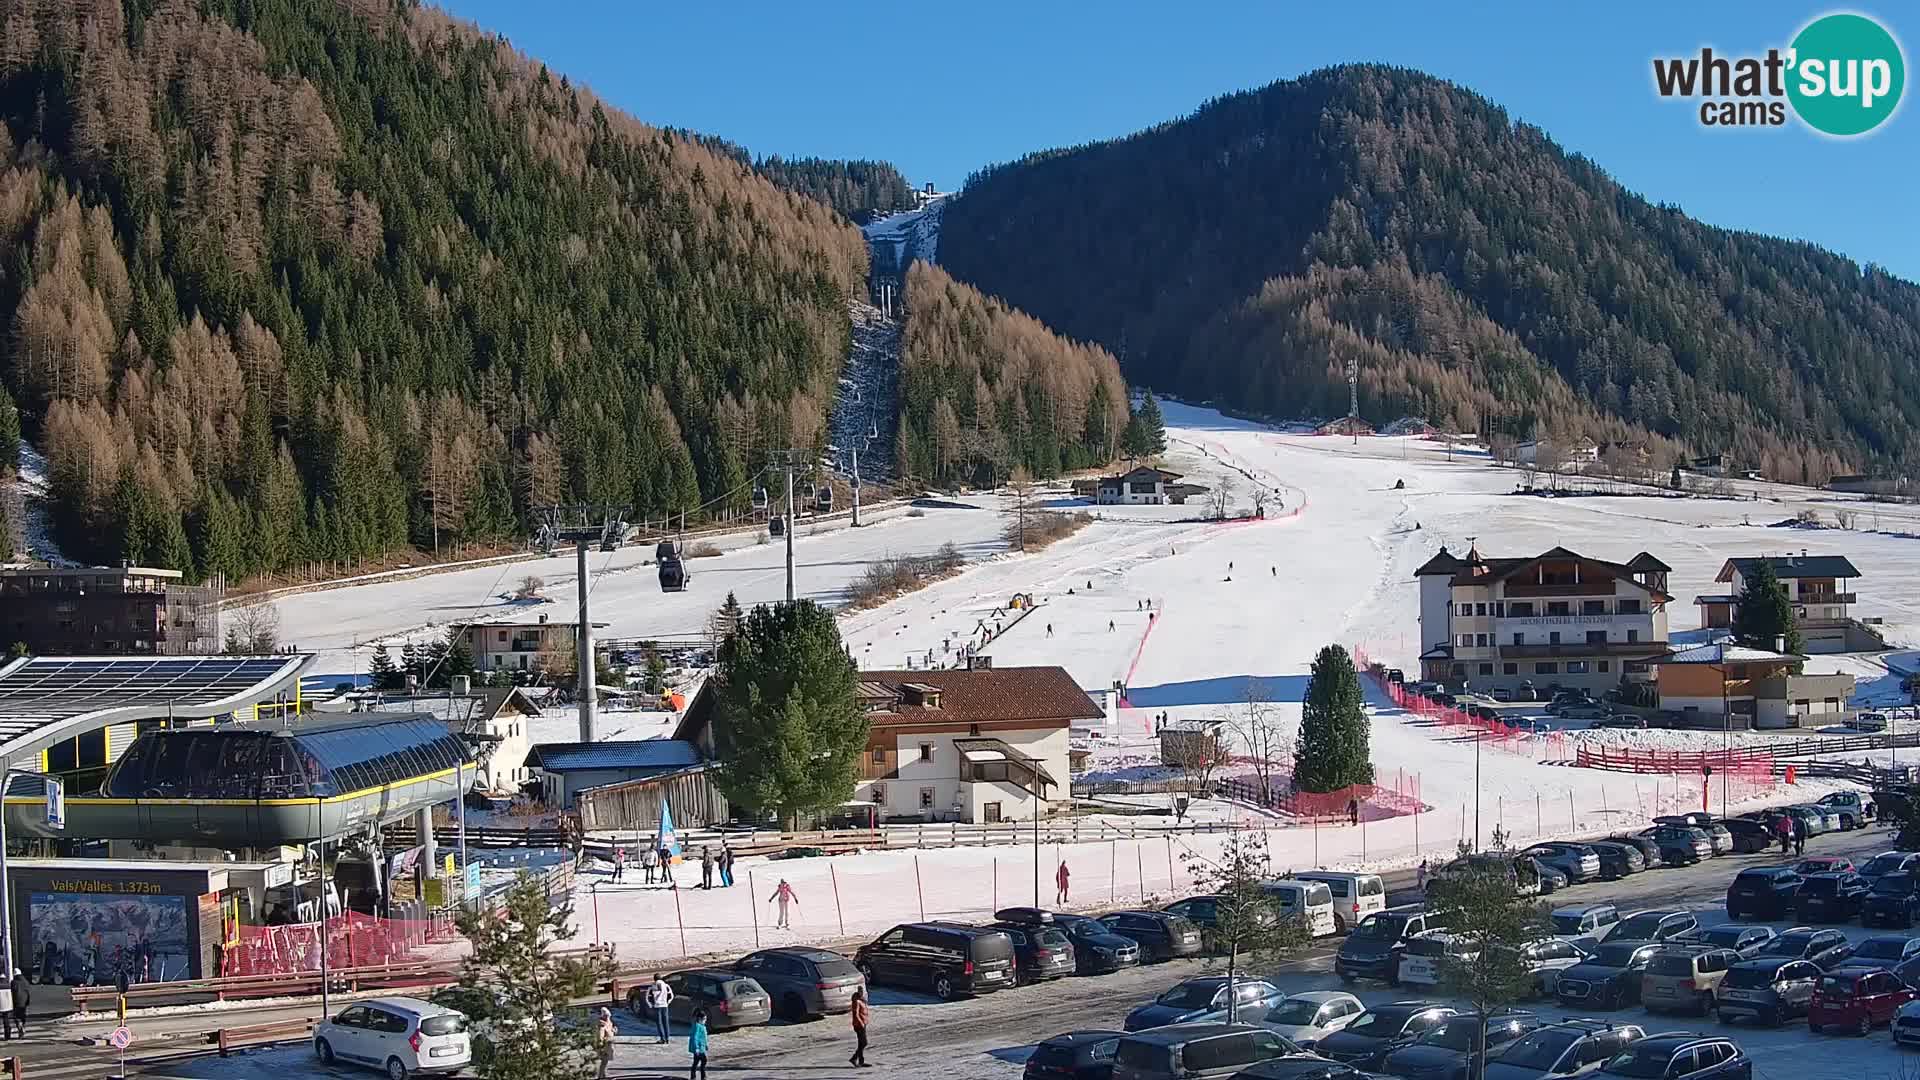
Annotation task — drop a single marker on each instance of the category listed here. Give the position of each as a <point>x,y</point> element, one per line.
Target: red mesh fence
<point>1508,738</point>
<point>1370,802</point>
<point>353,940</point>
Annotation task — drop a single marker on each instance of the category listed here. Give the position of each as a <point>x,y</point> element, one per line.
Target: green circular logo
<point>1847,74</point>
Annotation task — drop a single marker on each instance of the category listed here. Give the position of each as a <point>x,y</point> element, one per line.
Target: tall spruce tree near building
<point>1332,751</point>
<point>1145,435</point>
<point>788,731</point>
<point>1480,906</point>
<point>1766,613</point>
<point>382,673</point>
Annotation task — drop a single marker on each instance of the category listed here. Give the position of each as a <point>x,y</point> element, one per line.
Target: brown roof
<point>996,694</point>
<point>1443,562</point>
<point>1498,569</point>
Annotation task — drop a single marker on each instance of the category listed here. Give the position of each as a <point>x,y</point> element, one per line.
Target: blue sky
<point>940,90</point>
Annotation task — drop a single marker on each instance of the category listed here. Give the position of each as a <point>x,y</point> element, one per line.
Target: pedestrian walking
<point>659,998</point>
<point>706,867</point>
<point>1049,629</point>
<point>22,994</point>
<point>1274,571</point>
<point>1799,836</point>
<point>861,1016</point>
<point>1353,811</point>
<point>1060,879</point>
<point>619,861</point>
<point>726,866</point>
<point>603,1040</point>
<point>1420,876</point>
<point>649,859</point>
<point>783,895</point>
<point>697,1046</point>
<point>6,1014</point>
<point>1109,626</point>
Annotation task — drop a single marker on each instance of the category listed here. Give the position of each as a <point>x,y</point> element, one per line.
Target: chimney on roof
<point>977,662</point>
<point>543,618</point>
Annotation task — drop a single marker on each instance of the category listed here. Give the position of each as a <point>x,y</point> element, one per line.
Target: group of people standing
<point>656,858</point>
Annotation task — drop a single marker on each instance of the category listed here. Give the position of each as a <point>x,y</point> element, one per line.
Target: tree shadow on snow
<point>1227,690</point>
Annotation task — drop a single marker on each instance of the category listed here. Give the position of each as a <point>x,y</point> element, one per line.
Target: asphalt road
<point>917,1036</point>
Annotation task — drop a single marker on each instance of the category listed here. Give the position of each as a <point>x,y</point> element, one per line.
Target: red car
<point>1856,999</point>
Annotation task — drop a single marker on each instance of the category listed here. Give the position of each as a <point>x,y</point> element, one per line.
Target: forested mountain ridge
<point>298,279</point>
<point>1481,275</point>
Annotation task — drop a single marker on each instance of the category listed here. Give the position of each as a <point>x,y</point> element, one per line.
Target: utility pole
<point>588,691</point>
<point>789,461</point>
<point>856,487</point>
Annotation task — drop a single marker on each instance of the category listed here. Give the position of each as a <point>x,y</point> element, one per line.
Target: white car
<point>400,1036</point>
<point>1421,963</point>
<point>1307,1018</point>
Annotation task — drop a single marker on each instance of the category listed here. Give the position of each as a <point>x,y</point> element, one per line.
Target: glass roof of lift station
<point>306,761</point>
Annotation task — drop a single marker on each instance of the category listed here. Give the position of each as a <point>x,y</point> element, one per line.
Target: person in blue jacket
<point>697,1045</point>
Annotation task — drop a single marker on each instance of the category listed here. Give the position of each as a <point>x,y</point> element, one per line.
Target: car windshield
<point>1819,886</point>
<point>1749,978</point>
<point>1894,885</point>
<point>1294,1012</point>
<point>1616,955</point>
<point>1189,995</point>
<point>1539,1050</point>
<point>1460,1034</point>
<point>443,1025</point>
<point>1639,926</point>
<point>1382,925</point>
<point>1789,945</point>
<point>1569,924</point>
<point>1670,964</point>
<point>1379,1023</point>
<point>1427,946</point>
<point>836,969</point>
<point>1881,948</point>
<point>1885,863</point>
<point>1049,937</point>
<point>1728,936</point>
<point>1645,1061</point>
<point>1837,986</point>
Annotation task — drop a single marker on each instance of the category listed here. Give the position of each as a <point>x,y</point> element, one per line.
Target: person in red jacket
<point>861,1016</point>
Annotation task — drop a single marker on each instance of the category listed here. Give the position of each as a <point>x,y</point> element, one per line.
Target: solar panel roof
<point>68,693</point>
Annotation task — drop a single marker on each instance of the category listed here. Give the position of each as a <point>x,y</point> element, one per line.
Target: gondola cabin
<point>823,499</point>
<point>673,567</point>
<point>776,526</point>
<point>759,500</point>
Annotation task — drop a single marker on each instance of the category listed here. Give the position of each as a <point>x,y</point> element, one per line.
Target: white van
<point>1310,900</point>
<point>1355,896</point>
<point>1421,963</point>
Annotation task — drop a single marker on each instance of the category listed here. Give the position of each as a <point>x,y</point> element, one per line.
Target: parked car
<point>1300,1067</point>
<point>400,1036</point>
<point>1373,950</point>
<point>1578,861</point>
<point>1522,873</point>
<point>1745,939</point>
<point>1607,979</point>
<point>1501,694</point>
<point>1656,925</point>
<point>1682,1056</point>
<point>1355,896</point>
<point>803,983</point>
<point>1581,710</point>
<point>1718,835</point>
<point>1552,879</point>
<point>1823,864</point>
<point>1826,948</point>
<point>1204,1000</point>
<point>1861,805</point>
<point>1680,845</point>
<point>1040,953</point>
<point>1202,911</point>
<point>1892,900</point>
<point>1547,958</point>
<point>1160,935</point>
<point>1195,1051</point>
<point>1906,1025</point>
<point>1883,950</point>
<point>947,959</point>
<point>1421,962</point>
<point>1617,860</point>
<point>1866,721</point>
<point>1585,924</point>
<point>1308,1017</point>
<point>1749,837</point>
<point>1832,897</point>
<point>1767,990</point>
<point>1569,1048</point>
<point>1683,978</point>
<point>1890,862</point>
<point>1816,818</point>
<point>1395,675</point>
<point>1074,1055</point>
<point>1856,999</point>
<point>1649,848</point>
<point>1451,1049</point>
<point>732,1000</point>
<point>1097,950</point>
<point>1763,892</point>
<point>1631,721</point>
<point>1382,1028</point>
<point>1310,901</point>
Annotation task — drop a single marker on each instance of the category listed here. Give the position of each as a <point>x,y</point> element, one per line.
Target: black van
<point>948,959</point>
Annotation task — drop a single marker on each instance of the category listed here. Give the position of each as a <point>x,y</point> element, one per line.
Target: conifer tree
<point>9,432</point>
<point>524,983</point>
<point>788,730</point>
<point>382,673</point>
<point>1332,751</point>
<point>1153,427</point>
<point>1766,613</point>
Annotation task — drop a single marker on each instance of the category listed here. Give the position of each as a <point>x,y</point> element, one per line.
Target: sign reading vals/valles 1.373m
<point>1842,75</point>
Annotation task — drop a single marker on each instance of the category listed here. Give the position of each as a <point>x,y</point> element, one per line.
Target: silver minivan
<point>400,1036</point>
<point>1195,1051</point>
<point>1311,901</point>
<point>1355,896</point>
